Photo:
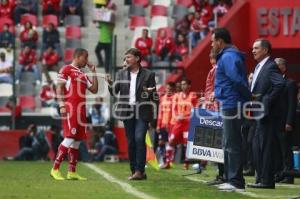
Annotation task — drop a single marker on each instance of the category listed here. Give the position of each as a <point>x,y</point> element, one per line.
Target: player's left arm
<point>94,87</point>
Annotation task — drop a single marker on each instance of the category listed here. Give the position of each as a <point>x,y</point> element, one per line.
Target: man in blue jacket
<point>231,90</point>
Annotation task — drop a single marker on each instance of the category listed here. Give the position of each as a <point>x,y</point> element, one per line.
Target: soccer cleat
<point>74,176</point>
<point>56,175</point>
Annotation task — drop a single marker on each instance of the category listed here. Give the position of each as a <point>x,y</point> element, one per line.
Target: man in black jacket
<point>136,106</point>
<point>288,104</point>
<point>266,87</point>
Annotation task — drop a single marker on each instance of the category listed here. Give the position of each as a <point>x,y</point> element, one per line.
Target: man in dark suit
<point>137,106</point>
<point>266,87</point>
<point>288,105</point>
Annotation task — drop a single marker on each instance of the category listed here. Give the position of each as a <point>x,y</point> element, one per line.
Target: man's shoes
<point>74,176</point>
<point>249,172</point>
<point>230,188</point>
<point>55,173</point>
<point>138,176</point>
<point>217,181</point>
<point>287,181</point>
<point>260,186</point>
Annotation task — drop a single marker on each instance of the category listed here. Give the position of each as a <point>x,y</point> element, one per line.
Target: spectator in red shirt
<point>184,26</point>
<point>6,9</point>
<point>164,46</point>
<point>144,44</point>
<point>50,60</point>
<point>206,12</point>
<point>29,36</point>
<point>27,62</point>
<point>51,7</point>
<point>181,48</point>
<point>198,30</point>
<point>48,95</point>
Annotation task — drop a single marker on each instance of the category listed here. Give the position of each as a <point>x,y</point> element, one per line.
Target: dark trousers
<point>284,159</point>
<point>232,146</point>
<point>263,154</point>
<point>248,130</point>
<point>136,130</point>
<point>106,47</point>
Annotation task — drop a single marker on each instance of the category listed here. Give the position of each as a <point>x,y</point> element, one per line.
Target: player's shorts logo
<point>73,131</point>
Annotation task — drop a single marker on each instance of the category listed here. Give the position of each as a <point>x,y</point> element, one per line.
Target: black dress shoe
<point>287,181</point>
<point>261,186</point>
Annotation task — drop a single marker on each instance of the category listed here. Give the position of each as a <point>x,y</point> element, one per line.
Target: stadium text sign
<point>269,21</point>
<point>205,136</point>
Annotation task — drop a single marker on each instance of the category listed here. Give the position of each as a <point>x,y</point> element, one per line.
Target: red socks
<point>62,151</point>
<point>73,158</point>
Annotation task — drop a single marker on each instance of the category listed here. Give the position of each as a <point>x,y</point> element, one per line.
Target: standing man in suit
<point>288,104</point>
<point>137,106</point>
<point>266,87</point>
<point>231,91</point>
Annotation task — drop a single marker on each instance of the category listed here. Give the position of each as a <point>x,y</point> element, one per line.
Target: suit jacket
<point>267,87</point>
<point>146,102</point>
<point>288,102</point>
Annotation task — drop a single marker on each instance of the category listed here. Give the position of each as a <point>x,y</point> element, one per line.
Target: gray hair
<point>280,60</point>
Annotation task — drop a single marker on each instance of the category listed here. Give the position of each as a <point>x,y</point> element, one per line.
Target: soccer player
<point>71,87</point>
<point>164,118</point>
<point>182,104</point>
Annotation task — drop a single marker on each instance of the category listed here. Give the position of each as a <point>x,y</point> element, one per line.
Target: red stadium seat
<point>158,10</point>
<point>50,19</point>
<point>144,3</point>
<point>3,109</point>
<point>27,102</point>
<point>68,55</point>
<point>136,21</point>
<point>73,32</point>
<point>186,3</point>
<point>6,20</point>
<point>29,17</point>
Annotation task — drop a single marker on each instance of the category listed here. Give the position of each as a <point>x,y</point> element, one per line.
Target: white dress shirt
<point>257,71</point>
<point>132,89</point>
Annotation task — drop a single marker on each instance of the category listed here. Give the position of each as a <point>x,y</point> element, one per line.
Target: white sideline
<point>125,186</point>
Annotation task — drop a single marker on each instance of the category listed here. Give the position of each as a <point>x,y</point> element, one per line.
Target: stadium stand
<point>136,10</point>
<point>50,19</point>
<point>136,21</point>
<point>29,17</point>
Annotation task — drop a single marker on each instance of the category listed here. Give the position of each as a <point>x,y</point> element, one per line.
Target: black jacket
<point>146,103</point>
<point>268,86</point>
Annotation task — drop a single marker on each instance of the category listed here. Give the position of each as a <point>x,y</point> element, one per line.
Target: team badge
<point>73,131</point>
